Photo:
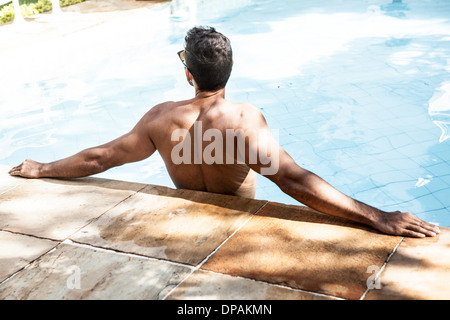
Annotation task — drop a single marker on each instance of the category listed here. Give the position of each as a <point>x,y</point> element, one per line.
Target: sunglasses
<point>182,56</point>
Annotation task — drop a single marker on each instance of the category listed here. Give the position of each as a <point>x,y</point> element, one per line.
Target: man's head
<point>209,58</point>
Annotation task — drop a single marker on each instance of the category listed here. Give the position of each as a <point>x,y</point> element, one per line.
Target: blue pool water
<point>359,91</point>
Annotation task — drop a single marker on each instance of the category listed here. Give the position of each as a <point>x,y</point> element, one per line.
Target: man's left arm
<point>134,146</point>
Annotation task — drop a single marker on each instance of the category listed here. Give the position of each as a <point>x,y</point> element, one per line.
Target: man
<point>211,144</point>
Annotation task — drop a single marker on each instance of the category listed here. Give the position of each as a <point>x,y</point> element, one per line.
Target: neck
<point>209,94</point>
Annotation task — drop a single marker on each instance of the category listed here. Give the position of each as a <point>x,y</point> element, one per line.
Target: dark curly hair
<point>208,57</point>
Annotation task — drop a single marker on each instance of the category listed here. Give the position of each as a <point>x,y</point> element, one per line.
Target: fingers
<point>427,228</point>
<point>413,234</point>
<point>421,229</point>
<point>418,231</point>
<point>406,224</point>
<point>16,170</point>
<point>431,228</point>
<point>25,169</point>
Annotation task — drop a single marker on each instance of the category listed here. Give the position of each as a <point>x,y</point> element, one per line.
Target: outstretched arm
<point>133,146</point>
<point>313,191</point>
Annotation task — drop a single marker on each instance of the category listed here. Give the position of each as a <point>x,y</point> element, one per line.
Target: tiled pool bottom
<point>353,90</point>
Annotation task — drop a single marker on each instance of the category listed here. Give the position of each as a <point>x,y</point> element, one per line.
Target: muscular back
<point>195,139</point>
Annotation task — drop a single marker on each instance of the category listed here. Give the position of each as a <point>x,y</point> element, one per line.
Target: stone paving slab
<point>206,285</point>
<point>178,225</point>
<point>73,272</point>
<point>301,248</point>
<point>17,251</point>
<point>419,269</point>
<point>220,247</point>
<point>55,209</point>
<point>8,182</point>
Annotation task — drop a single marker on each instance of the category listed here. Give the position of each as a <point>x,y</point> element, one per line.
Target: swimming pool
<point>359,91</point>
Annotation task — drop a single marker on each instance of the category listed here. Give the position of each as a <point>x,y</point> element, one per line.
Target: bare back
<point>191,137</point>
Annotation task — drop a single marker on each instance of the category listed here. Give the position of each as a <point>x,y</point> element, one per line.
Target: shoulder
<point>154,118</point>
<point>164,112</point>
<point>159,110</point>
<point>250,115</point>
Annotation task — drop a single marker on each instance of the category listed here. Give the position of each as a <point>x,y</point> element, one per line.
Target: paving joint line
<point>198,266</point>
<point>30,235</point>
<point>377,274</point>
<point>58,241</point>
<point>28,264</point>
<point>12,188</point>
<point>96,218</point>
<point>123,253</point>
<point>277,285</point>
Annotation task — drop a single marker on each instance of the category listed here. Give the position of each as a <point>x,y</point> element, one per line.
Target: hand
<point>27,169</point>
<point>405,224</point>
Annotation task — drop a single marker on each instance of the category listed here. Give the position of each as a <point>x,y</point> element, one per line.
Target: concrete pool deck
<point>96,238</point>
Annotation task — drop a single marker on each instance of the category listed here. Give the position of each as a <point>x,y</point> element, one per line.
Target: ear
<point>189,77</point>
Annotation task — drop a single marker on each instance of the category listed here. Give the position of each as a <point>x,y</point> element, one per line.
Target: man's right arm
<point>311,190</point>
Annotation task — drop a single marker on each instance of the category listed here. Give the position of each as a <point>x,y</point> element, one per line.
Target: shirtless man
<point>193,138</point>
